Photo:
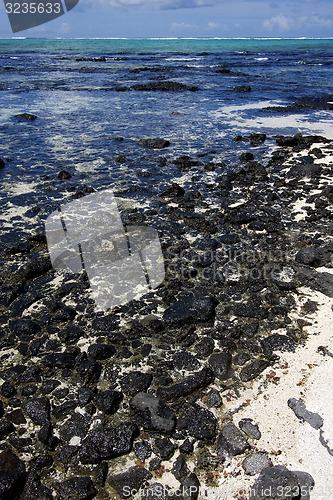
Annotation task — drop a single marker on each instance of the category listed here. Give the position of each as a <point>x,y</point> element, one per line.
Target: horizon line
<point>166,38</point>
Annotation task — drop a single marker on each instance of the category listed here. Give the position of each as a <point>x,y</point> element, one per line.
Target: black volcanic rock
<point>165,86</point>
<point>198,421</point>
<point>193,383</point>
<point>81,488</point>
<point>154,143</point>
<point>253,369</point>
<point>278,479</point>
<point>12,475</point>
<point>134,382</point>
<point>108,401</point>
<point>150,412</point>
<point>34,489</point>
<point>107,443</point>
<point>220,363</point>
<point>38,409</point>
<point>26,117</point>
<point>131,480</point>
<point>243,88</point>
<point>189,310</point>
<point>313,256</point>
<point>231,441</point>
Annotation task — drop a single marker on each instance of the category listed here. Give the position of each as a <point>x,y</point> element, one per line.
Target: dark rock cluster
<point>95,402</point>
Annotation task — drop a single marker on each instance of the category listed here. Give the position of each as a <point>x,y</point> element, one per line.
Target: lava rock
<point>63,175</point>
<point>135,382</point>
<point>16,417</point>
<point>277,342</point>
<point>38,409</point>
<point>77,425</point>
<point>166,86</point>
<point>59,359</point>
<point>12,475</point>
<point>253,308</point>
<point>250,429</point>
<point>299,408</point>
<point>323,282</point>
<point>241,358</point>
<point>26,117</point>
<point>189,310</point>
<point>245,157</point>
<point>256,139</point>
<point>174,191</point>
<point>243,88</point>
<point>101,351</point>
<point>220,363</point>
<point>190,487</point>
<point>312,256</point>
<point>255,463</point>
<point>199,422</point>
<point>231,441</point>
<point>204,347</point>
<point>78,488</point>
<point>214,399</point>
<point>8,390</point>
<point>108,401</point>
<point>186,447</point>
<point>278,481</point>
<point>142,450</point>
<point>49,385</point>
<point>34,489</point>
<point>305,482</point>
<point>164,448</point>
<point>104,444</point>
<point>184,360</point>
<point>154,143</point>
<point>152,413</point>
<point>253,369</point>
<point>24,327</point>
<point>6,428</point>
<point>300,141</point>
<point>180,469</point>
<point>129,481</point>
<point>191,384</point>
<point>229,238</point>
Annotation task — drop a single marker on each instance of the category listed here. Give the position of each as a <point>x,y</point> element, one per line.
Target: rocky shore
<point>137,400</point>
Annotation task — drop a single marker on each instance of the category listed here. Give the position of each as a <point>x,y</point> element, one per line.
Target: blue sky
<point>187,18</point>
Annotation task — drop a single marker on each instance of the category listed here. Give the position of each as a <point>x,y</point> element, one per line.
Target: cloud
<point>182,26</point>
<point>160,4</point>
<point>321,21</point>
<point>281,22</point>
<point>213,26</point>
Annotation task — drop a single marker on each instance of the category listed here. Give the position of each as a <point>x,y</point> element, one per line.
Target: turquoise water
<point>187,46</point>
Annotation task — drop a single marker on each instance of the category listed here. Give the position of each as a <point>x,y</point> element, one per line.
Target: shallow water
<point>80,111</point>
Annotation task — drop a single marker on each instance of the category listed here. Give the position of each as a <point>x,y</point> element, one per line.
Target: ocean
<point>82,92</point>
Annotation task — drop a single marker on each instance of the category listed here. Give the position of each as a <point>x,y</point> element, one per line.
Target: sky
<point>186,18</point>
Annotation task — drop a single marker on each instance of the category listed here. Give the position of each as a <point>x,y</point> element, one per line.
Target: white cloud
<point>213,26</point>
<point>182,26</point>
<point>321,21</point>
<point>160,4</point>
<point>281,22</point>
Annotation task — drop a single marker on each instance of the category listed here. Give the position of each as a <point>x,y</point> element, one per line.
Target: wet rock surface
<point>85,392</point>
